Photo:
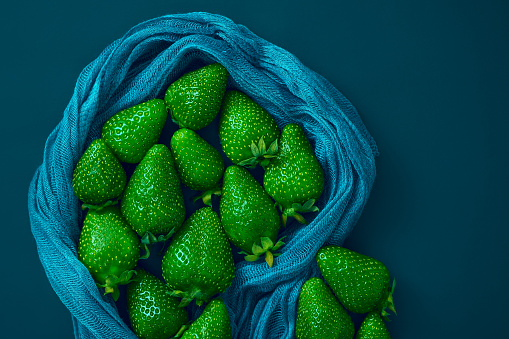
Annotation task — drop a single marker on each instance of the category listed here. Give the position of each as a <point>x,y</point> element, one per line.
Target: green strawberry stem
<point>206,196</point>
<point>148,239</point>
<point>261,154</point>
<point>296,210</point>
<point>100,206</point>
<point>175,121</point>
<point>267,247</point>
<point>389,303</point>
<point>181,331</point>
<point>186,297</point>
<point>112,282</point>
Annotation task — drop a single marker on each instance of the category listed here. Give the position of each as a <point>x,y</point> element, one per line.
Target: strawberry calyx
<point>261,154</point>
<point>98,207</point>
<point>296,210</point>
<point>112,281</point>
<point>148,239</point>
<point>388,303</point>
<point>186,297</point>
<point>206,196</point>
<point>267,247</point>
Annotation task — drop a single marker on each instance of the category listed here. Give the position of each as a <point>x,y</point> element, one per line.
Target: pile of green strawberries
<point>126,215</point>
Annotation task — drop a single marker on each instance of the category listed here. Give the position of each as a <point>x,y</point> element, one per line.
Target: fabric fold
<point>139,66</point>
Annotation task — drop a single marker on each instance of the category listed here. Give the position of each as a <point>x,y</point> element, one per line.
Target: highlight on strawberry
<point>213,322</point>
<point>98,178</point>
<point>131,132</point>
<point>153,202</point>
<point>373,326</point>
<point>153,313</point>
<point>249,216</point>
<point>320,315</point>
<point>108,248</point>
<point>247,132</point>
<point>361,283</point>
<point>194,99</point>
<point>294,179</point>
<point>198,263</point>
<point>200,166</point>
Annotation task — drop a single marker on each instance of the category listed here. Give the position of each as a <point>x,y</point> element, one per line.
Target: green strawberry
<point>248,214</point>
<point>245,131</point>
<point>295,178</point>
<point>153,202</point>
<point>131,132</point>
<point>373,327</point>
<point>194,99</point>
<point>319,314</point>
<point>108,248</point>
<point>361,283</point>
<point>214,322</point>
<point>154,314</point>
<point>198,263</point>
<point>98,177</point>
<point>200,165</point>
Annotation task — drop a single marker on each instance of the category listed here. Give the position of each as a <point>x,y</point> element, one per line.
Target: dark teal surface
<point>430,81</point>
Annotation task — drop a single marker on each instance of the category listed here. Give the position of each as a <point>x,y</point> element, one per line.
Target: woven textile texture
<point>262,301</point>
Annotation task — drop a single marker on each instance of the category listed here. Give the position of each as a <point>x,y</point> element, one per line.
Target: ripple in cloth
<point>262,301</point>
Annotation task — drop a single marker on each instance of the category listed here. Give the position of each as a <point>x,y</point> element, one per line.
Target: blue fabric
<point>262,301</point>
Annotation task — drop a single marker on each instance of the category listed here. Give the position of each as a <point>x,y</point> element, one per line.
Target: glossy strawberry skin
<point>247,212</point>
<point>320,315</point>
<point>131,132</point>
<point>198,262</point>
<point>243,122</point>
<point>194,100</point>
<point>295,176</point>
<point>153,200</point>
<point>214,322</point>
<point>200,165</point>
<point>153,313</point>
<point>98,176</point>
<point>361,283</point>
<point>373,327</point>
<point>107,245</point>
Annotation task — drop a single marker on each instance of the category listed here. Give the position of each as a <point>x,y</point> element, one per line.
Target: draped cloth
<point>262,301</point>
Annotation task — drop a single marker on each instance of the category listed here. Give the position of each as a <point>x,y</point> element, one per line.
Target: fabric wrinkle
<point>262,301</point>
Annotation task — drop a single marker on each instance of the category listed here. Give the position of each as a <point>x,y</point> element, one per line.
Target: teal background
<point>430,81</point>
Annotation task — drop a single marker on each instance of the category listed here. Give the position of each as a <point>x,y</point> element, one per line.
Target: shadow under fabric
<point>262,301</point>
